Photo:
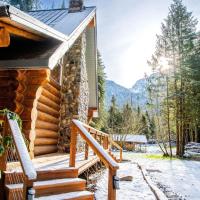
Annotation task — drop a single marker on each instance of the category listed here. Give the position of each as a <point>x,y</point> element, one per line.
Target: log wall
<point>47,122</point>
<point>36,98</point>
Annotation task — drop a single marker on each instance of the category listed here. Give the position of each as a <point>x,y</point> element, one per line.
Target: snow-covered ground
<point>137,189</point>
<point>180,179</point>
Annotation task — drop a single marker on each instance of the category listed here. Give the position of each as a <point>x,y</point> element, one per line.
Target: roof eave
<point>28,22</point>
<point>24,64</point>
<point>62,49</point>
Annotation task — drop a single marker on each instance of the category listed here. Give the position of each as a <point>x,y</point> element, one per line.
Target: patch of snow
<point>137,189</point>
<point>181,177</point>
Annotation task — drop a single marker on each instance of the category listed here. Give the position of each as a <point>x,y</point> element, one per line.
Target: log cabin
<point>48,77</point>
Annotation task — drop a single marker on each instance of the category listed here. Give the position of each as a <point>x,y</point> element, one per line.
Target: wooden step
<point>82,195</point>
<point>49,187</point>
<point>43,175</point>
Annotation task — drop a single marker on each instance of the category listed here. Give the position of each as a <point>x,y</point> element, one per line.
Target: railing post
<point>111,188</point>
<point>107,142</point>
<point>29,191</point>
<point>120,155</point>
<point>86,151</point>
<point>3,161</point>
<point>100,139</point>
<point>73,143</point>
<point>95,137</point>
<point>87,148</point>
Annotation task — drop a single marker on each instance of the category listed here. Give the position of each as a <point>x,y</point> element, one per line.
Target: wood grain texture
<point>45,149</point>
<point>4,37</point>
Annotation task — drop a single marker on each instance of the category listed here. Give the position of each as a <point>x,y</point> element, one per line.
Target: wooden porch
<point>57,161</point>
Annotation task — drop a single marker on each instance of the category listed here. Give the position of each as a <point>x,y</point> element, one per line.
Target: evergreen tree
<point>176,45</point>
<point>25,5</point>
<point>114,118</point>
<point>63,4</point>
<point>101,121</point>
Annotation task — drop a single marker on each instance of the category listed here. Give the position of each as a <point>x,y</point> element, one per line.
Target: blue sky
<point>126,34</point>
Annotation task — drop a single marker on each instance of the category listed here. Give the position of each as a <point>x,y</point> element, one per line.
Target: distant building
<point>130,141</point>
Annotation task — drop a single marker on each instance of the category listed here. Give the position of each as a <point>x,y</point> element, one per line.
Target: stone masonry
<point>75,92</point>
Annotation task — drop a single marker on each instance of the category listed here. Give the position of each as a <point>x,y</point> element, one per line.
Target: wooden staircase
<point>51,184</point>
<point>28,183</point>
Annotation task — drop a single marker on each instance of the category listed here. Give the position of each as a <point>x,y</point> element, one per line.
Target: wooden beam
<point>20,32</point>
<point>4,37</point>
<point>92,23</point>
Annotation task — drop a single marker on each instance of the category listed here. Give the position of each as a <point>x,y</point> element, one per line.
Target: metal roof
<point>140,139</point>
<point>52,24</point>
<point>49,17</point>
<point>62,21</point>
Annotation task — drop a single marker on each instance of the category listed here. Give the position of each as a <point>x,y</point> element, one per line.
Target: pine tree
<point>100,122</point>
<point>25,5</point>
<point>114,118</point>
<point>63,4</point>
<point>176,44</point>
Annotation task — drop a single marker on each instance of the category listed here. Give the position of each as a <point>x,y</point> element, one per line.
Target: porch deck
<point>57,161</point>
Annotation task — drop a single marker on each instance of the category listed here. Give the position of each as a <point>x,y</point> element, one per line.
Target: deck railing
<point>22,154</point>
<point>114,144</point>
<point>99,143</point>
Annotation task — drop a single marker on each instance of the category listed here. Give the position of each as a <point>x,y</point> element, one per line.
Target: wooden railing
<point>28,169</point>
<point>114,144</point>
<point>99,143</point>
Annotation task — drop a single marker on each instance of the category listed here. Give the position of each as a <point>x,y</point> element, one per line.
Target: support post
<point>120,155</point>
<point>111,188</point>
<point>95,137</point>
<point>73,143</point>
<point>86,151</point>
<point>29,191</point>
<point>3,161</point>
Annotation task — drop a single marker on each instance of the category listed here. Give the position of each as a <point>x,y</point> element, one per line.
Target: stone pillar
<point>75,92</point>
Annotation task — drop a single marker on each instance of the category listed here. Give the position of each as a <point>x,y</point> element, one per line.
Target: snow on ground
<point>179,179</point>
<point>137,189</point>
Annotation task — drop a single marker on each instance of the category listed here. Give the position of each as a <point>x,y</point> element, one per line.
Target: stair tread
<point>70,195</point>
<point>48,183</point>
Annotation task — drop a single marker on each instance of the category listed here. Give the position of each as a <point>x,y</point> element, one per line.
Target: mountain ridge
<point>135,96</point>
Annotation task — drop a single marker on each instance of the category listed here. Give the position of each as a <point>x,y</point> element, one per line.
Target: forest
<point>172,112</point>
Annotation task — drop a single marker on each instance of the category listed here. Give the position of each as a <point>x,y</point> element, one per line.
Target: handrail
<point>110,140</point>
<point>95,146</point>
<point>23,156</point>
<point>113,143</point>
<point>25,160</point>
<point>84,130</point>
<point>95,130</point>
